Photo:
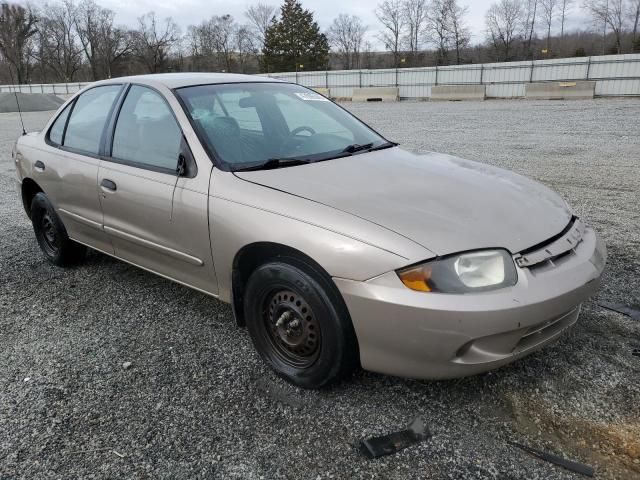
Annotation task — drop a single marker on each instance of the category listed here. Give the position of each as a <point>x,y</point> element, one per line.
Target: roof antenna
<point>15,92</point>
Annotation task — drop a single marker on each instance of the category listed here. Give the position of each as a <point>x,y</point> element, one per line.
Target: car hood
<point>444,203</point>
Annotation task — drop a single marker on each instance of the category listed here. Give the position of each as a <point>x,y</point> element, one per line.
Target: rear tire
<point>299,324</point>
<point>52,236</point>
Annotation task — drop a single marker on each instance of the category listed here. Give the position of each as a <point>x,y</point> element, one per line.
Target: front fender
<point>242,213</point>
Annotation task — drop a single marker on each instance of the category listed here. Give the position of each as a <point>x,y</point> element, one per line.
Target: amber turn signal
<point>416,278</point>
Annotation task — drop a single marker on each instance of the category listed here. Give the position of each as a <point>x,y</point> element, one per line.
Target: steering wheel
<point>294,142</point>
<point>302,128</point>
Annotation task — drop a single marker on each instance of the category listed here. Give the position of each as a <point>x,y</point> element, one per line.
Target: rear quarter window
<point>57,129</point>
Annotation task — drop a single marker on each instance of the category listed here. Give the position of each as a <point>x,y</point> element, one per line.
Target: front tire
<point>299,324</point>
<point>52,236</point>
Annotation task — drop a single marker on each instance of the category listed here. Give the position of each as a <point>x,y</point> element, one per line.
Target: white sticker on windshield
<point>312,96</point>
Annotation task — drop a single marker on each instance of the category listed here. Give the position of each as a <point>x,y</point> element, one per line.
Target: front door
<point>155,218</point>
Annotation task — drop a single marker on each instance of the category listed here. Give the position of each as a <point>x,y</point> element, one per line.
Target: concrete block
<point>560,90</point>
<point>325,92</point>
<point>376,94</point>
<point>458,92</point>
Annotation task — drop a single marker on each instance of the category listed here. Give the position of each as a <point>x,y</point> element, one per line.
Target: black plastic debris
<point>375,447</point>
<point>557,460</point>
<point>635,352</point>
<point>623,309</point>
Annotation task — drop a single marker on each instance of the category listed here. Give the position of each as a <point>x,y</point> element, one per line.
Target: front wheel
<point>299,324</point>
<point>52,236</point>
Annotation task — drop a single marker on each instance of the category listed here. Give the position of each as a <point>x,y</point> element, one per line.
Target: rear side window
<point>146,131</point>
<point>57,129</point>
<point>88,118</point>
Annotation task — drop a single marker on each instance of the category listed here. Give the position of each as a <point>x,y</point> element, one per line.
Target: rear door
<point>155,218</point>
<point>67,169</point>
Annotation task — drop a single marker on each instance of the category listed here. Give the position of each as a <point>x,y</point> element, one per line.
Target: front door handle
<point>108,184</point>
<point>39,166</point>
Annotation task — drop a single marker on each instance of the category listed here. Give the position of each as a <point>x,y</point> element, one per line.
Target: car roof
<point>186,79</point>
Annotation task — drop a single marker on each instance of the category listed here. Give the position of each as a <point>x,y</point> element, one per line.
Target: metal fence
<point>615,75</point>
<point>55,88</point>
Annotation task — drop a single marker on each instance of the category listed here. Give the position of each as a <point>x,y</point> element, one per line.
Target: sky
<point>188,12</point>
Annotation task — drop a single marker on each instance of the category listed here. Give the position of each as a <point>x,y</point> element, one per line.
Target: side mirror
<point>181,169</point>
<point>186,166</point>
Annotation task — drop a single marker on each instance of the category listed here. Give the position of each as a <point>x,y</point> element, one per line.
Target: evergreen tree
<point>293,40</point>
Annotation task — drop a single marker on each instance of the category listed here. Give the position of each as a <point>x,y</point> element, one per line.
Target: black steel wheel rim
<point>49,235</point>
<point>291,328</point>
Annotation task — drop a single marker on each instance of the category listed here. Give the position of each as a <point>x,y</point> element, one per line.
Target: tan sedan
<point>335,247</point>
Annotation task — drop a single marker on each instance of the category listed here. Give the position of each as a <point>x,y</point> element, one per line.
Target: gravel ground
<point>196,401</point>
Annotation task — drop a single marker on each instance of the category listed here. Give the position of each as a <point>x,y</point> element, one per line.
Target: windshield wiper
<point>275,163</point>
<point>368,147</point>
<point>357,147</point>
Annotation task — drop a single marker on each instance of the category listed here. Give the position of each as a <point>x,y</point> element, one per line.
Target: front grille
<point>546,242</point>
<point>553,249</point>
<point>542,332</point>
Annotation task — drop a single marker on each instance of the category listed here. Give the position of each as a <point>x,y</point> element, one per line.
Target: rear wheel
<point>51,234</point>
<point>299,324</point>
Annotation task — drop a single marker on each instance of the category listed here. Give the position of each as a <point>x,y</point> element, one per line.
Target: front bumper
<point>429,335</point>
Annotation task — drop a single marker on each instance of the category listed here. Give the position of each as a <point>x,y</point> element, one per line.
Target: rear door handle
<point>108,184</point>
<point>39,166</point>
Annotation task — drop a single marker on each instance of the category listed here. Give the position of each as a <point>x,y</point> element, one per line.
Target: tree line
<point>70,40</point>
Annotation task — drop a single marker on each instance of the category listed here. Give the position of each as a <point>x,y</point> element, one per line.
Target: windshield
<point>248,124</point>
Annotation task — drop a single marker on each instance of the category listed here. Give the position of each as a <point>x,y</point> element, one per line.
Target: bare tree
<point>346,34</point>
<point>102,43</point>
<point>610,13</point>
<point>58,46</point>
<point>503,21</point>
<point>437,28</point>
<point>117,43</point>
<point>531,10</point>
<point>368,55</point>
<point>152,41</point>
<point>549,11</point>
<point>204,44</point>
<point>391,17</point>
<point>415,15</point>
<point>634,13</point>
<point>223,31</point>
<point>17,26</point>
<point>460,33</point>
<point>260,16</point>
<point>244,45</point>
<point>564,10</point>
<point>219,41</point>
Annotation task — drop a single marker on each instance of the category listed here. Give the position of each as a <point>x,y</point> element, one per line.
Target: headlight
<point>463,273</point>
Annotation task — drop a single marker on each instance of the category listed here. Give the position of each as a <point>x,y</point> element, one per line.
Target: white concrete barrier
<point>458,92</point>
<point>560,90</point>
<point>325,92</point>
<point>375,94</point>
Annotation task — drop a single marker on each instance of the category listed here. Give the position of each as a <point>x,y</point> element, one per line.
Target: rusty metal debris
<point>375,447</point>
<point>623,309</point>
<point>557,460</point>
